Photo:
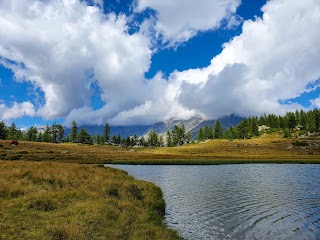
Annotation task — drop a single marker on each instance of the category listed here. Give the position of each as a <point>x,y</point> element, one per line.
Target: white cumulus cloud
<point>17,110</point>
<point>275,58</point>
<point>63,46</point>
<point>179,20</point>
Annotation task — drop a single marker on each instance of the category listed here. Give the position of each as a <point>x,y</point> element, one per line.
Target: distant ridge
<point>193,124</point>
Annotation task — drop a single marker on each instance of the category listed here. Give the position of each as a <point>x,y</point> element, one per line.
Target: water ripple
<point>261,201</point>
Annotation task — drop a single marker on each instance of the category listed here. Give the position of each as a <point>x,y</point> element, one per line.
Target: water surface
<point>249,201</point>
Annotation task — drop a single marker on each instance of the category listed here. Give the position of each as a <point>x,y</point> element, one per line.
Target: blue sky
<point>140,62</point>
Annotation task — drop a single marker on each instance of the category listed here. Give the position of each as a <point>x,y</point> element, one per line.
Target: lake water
<point>249,201</point>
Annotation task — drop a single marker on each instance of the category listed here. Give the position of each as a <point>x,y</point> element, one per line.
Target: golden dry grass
<point>70,201</point>
<point>269,147</point>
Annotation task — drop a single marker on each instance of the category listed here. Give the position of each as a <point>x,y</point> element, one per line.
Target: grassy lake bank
<point>70,201</point>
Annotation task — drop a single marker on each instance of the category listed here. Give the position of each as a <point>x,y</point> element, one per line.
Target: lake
<point>248,201</point>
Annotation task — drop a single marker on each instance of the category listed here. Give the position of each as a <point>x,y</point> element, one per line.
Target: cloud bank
<point>64,47</point>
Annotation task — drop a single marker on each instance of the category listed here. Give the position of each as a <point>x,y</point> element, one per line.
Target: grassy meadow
<point>50,200</point>
<point>45,194</point>
<point>267,148</point>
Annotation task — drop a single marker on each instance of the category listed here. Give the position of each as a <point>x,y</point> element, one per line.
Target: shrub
<point>287,133</point>
<point>113,191</point>
<point>135,192</point>
<point>45,205</point>
<point>300,143</point>
<point>58,234</point>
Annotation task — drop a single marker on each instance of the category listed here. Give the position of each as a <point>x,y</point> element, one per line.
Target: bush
<point>287,134</point>
<point>45,205</point>
<point>300,144</point>
<point>135,192</point>
<point>113,191</point>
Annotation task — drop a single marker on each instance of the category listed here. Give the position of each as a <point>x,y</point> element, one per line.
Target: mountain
<point>226,122</point>
<point>193,124</point>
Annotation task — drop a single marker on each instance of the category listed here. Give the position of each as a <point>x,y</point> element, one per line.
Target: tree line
<point>306,121</point>
<point>249,127</point>
<point>54,134</point>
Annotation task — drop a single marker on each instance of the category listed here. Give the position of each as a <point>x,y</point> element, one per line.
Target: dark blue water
<point>250,201</point>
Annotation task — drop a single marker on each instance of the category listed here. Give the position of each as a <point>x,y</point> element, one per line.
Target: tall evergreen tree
<point>40,137</point>
<point>106,132</point>
<point>218,131</point>
<point>200,136</point>
<point>61,133</point>
<point>84,137</point>
<point>74,132</point>
<point>32,134</point>
<point>3,131</point>
<point>46,136</point>
<point>189,137</point>
<point>54,133</point>
<point>153,139</point>
<point>291,120</point>
<point>169,139</point>
<point>12,132</point>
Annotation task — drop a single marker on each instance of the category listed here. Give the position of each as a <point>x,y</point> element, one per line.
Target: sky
<point>138,62</point>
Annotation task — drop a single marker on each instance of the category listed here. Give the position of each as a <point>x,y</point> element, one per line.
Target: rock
<point>132,150</point>
<point>65,152</point>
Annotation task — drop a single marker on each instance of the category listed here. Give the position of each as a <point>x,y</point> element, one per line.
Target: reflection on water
<point>251,201</point>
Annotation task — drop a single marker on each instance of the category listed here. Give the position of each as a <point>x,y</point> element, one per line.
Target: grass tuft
<point>44,204</point>
<point>135,192</point>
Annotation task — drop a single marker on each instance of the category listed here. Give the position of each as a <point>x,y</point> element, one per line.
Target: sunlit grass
<point>70,201</point>
<point>262,149</point>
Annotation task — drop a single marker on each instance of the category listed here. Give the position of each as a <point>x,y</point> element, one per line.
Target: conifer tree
<point>3,131</point>
<point>218,131</point>
<point>74,132</point>
<point>106,132</point>
<point>200,135</point>
<point>169,139</point>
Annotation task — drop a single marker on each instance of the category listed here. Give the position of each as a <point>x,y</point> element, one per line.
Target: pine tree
<point>54,132</point>
<point>12,132</point>
<point>153,140</point>
<point>61,134</point>
<point>218,131</point>
<point>291,120</point>
<point>74,132</point>
<point>32,134</point>
<point>169,139</point>
<point>106,132</point>
<point>40,137</point>
<point>161,142</point>
<point>98,139</point>
<point>200,135</point>
<point>3,131</point>
<point>84,137</point>
<point>189,137</point>
<point>46,137</point>
<point>303,120</point>
<point>206,132</point>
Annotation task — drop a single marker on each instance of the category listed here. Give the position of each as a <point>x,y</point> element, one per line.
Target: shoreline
<point>211,162</point>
